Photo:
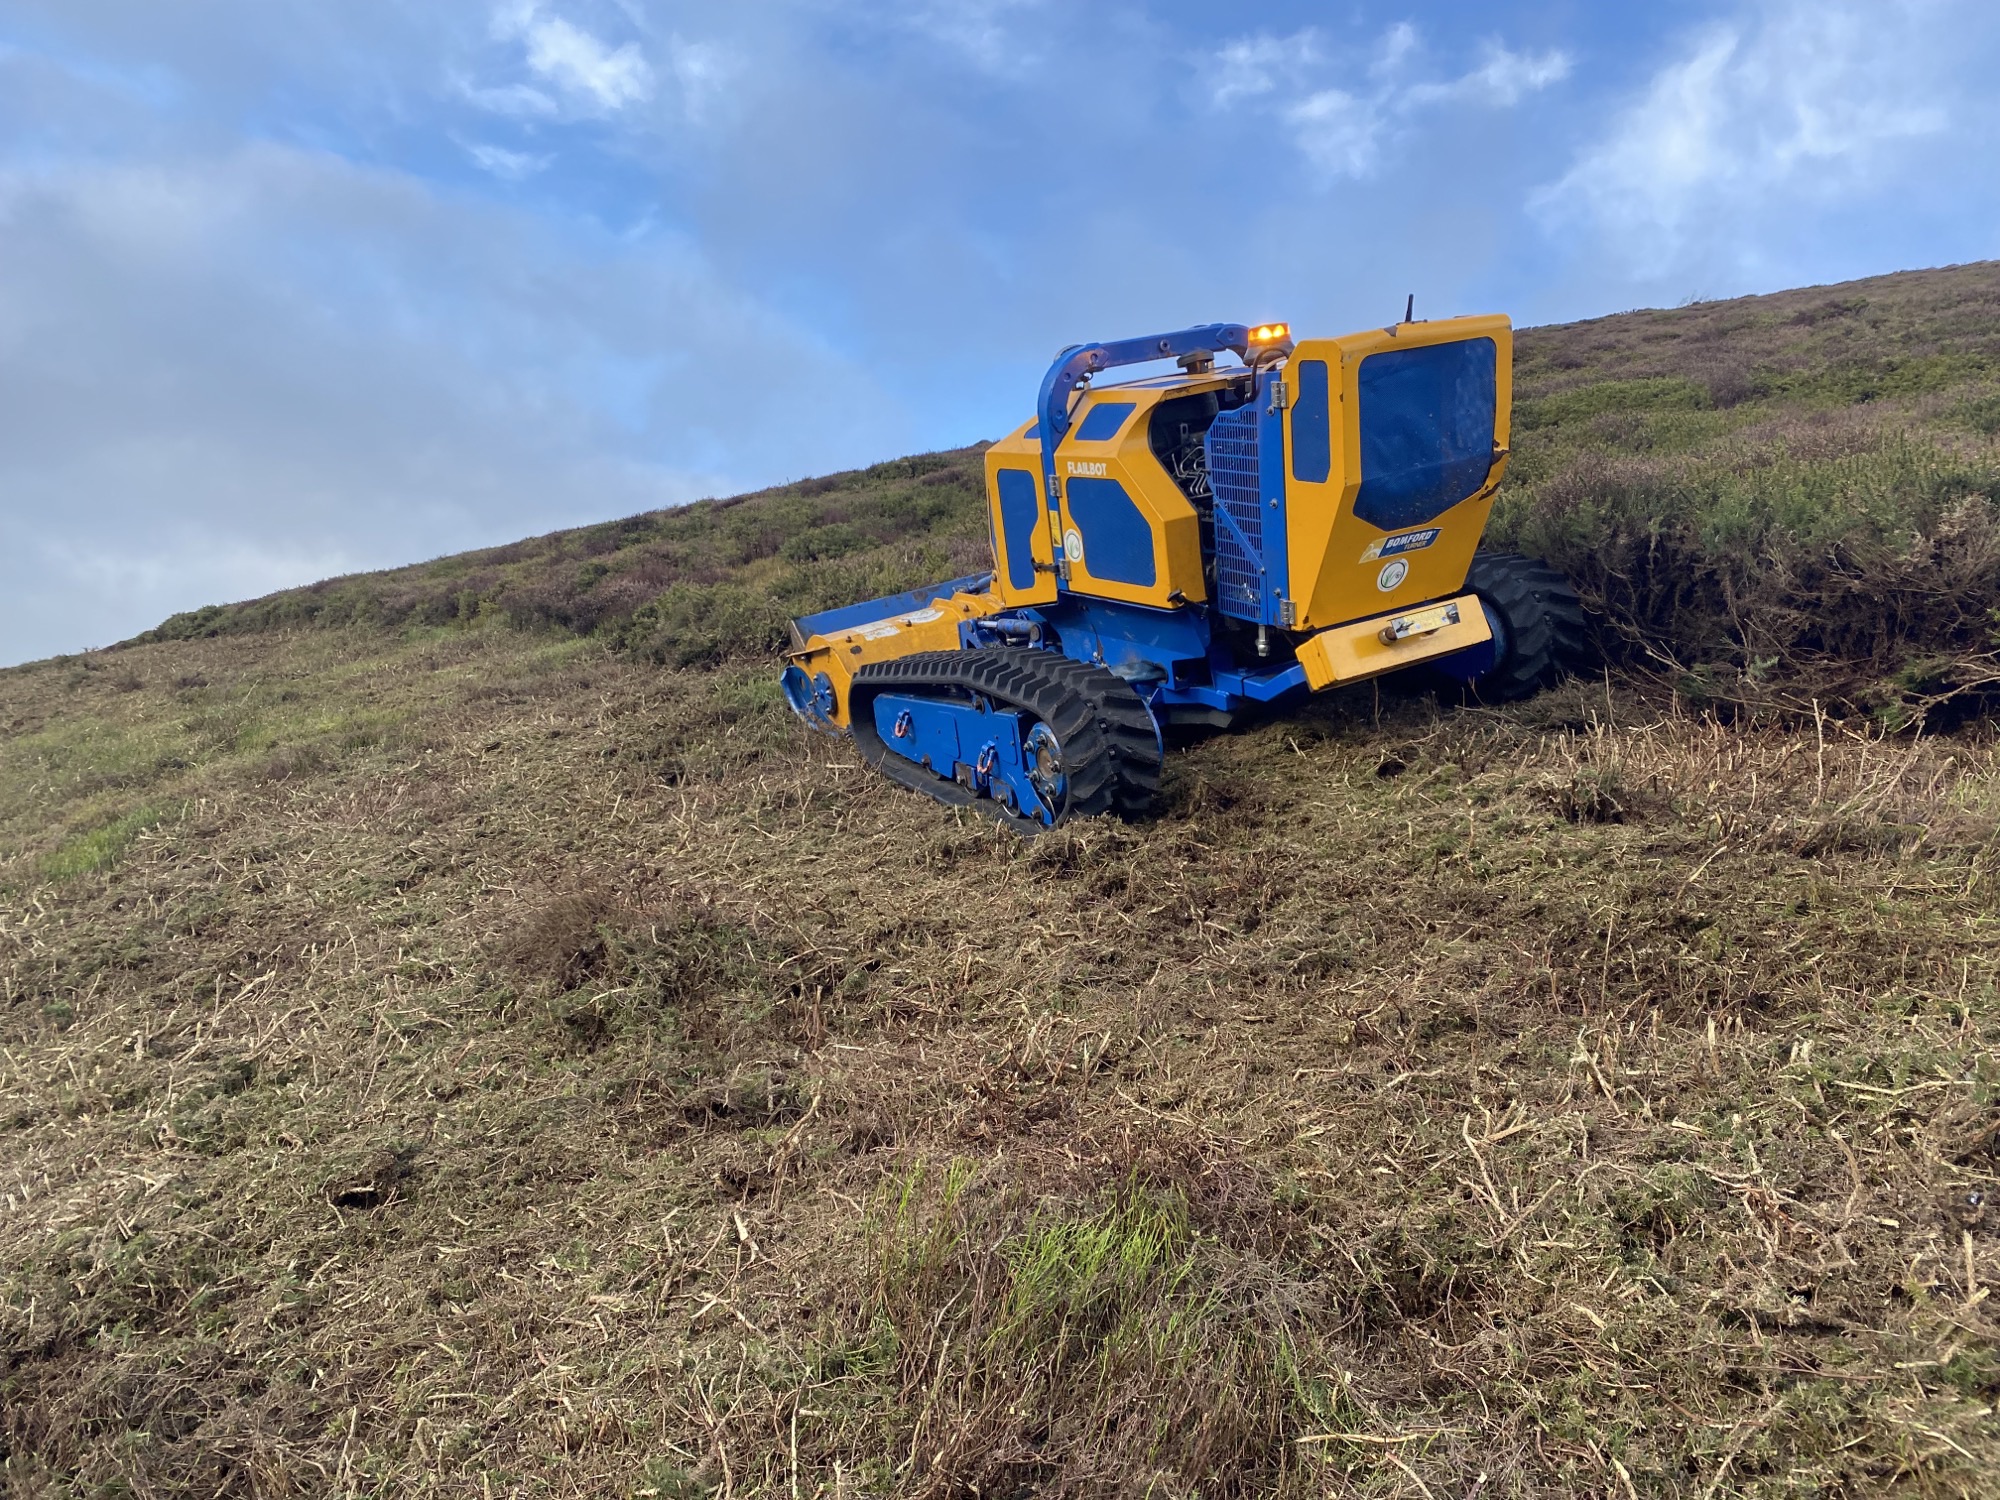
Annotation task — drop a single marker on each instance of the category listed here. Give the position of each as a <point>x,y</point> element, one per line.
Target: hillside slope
<point>443,1057</point>
<point>1773,501</point>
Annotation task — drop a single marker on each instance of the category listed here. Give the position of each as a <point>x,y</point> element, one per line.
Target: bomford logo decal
<point>1079,470</point>
<point>1408,541</point>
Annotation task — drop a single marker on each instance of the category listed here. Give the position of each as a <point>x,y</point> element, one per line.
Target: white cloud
<point>512,165</point>
<point>1398,43</point>
<point>1338,133</point>
<point>704,73</point>
<point>978,31</point>
<point>576,63</point>
<point>1502,80</point>
<point>1345,133</point>
<point>1253,66</point>
<point>516,99</point>
<point>1801,100</point>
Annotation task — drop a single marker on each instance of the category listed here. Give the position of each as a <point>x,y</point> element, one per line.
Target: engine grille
<point>1239,547</point>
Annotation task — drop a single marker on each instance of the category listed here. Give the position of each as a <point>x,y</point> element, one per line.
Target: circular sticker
<point>1073,545</point>
<point>1392,575</point>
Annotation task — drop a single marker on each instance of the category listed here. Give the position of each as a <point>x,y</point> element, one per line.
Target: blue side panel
<point>1312,425</point>
<point>1033,434</point>
<point>1103,421</point>
<point>1426,430</point>
<point>1132,640</point>
<point>1271,476</point>
<point>1239,512</point>
<point>870,610</point>
<point>1231,691</point>
<point>1263,687</point>
<point>1020,514</point>
<point>1117,542</point>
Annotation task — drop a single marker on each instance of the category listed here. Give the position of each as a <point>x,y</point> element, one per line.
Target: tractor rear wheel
<point>1539,634</point>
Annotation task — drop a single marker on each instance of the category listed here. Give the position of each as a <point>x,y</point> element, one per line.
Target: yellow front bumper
<point>1386,643</point>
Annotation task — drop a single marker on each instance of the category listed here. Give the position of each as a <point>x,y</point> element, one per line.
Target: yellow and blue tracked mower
<point>1180,549</point>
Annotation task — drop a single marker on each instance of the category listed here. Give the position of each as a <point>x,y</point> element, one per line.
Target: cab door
<point>1024,557</point>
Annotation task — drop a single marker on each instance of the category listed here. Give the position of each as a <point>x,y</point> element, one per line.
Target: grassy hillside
<point>1773,502</point>
<point>443,1057</point>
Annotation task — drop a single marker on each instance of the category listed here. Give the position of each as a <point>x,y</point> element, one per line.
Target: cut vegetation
<point>461,1035</point>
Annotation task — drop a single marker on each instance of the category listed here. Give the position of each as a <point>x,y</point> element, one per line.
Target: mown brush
<point>525,1100</point>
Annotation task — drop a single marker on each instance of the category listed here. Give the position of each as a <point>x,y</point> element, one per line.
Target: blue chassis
<point>1170,656</point>
<point>1164,654</point>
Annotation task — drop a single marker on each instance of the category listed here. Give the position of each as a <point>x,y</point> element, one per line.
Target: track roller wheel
<point>1089,744</point>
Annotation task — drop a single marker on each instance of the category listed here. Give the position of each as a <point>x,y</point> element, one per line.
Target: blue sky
<point>289,289</point>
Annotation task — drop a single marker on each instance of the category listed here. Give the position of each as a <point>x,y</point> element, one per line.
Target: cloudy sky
<point>297,287</point>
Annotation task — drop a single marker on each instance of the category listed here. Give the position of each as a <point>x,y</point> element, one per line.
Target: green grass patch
<point>86,753</point>
<point>997,1329</point>
<point>98,850</point>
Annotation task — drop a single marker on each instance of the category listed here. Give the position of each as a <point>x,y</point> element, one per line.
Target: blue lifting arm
<point>1080,360</point>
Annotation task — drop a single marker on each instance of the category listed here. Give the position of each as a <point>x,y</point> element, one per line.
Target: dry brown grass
<point>573,1079</point>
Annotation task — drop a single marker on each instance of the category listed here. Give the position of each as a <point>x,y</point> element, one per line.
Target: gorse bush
<point>704,624</point>
<point>1862,561</point>
<point>1780,501</point>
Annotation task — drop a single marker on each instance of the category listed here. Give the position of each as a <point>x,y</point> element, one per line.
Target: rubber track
<point>1547,637</point>
<point>1111,751</point>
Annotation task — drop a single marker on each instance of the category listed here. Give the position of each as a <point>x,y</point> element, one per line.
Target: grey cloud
<point>219,375</point>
